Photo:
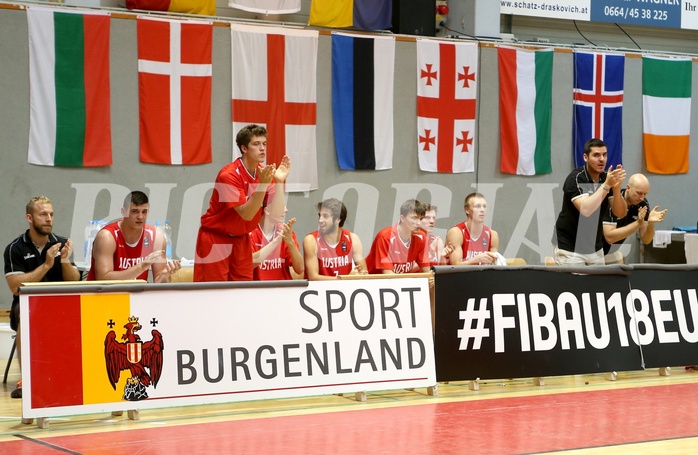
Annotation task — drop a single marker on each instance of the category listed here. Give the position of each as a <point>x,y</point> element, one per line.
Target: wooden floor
<point>639,413</point>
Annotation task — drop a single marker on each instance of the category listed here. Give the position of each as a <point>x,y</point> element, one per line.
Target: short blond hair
<point>37,200</point>
<point>471,196</point>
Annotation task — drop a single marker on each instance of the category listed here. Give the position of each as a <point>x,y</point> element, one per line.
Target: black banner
<point>666,313</point>
<point>501,322</point>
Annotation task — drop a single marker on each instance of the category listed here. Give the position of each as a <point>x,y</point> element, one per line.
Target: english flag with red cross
<point>447,76</point>
<point>174,91</point>
<point>274,85</point>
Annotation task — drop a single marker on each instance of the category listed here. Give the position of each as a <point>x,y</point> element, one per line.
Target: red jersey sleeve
<point>423,249</point>
<point>382,255</point>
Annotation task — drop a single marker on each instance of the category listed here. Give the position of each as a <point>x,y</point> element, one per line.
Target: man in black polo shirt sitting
<point>36,255</point>
<point>638,219</point>
<point>588,193</point>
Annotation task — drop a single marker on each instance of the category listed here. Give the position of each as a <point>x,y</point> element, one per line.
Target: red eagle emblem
<point>135,356</point>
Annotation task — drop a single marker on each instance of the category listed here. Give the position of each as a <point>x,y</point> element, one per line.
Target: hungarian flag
<point>69,118</point>
<point>362,100</point>
<point>174,91</point>
<point>359,14</point>
<point>598,103</point>
<point>666,113</point>
<point>267,6</point>
<point>274,85</point>
<point>446,96</point>
<point>525,110</point>
<point>206,7</point>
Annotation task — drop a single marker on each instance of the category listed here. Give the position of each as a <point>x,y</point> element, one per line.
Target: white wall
<point>521,209</point>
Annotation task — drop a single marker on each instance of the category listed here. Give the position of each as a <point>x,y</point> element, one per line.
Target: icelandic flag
<point>362,100</point>
<point>598,103</point>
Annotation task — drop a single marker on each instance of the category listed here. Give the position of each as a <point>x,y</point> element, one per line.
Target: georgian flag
<point>447,76</point>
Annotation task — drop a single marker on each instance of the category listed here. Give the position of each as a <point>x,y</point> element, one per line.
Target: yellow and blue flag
<point>359,14</point>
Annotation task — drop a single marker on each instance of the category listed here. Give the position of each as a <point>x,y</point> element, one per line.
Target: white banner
<point>656,13</point>
<point>557,9</point>
<point>225,345</point>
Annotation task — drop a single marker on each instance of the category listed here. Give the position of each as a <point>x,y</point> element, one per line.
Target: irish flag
<point>666,114</point>
<point>525,110</point>
<point>70,123</point>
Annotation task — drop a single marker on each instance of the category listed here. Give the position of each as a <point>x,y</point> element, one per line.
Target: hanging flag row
<point>70,121</point>
<point>525,80</point>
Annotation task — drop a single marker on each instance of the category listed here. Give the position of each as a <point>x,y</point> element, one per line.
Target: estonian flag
<point>362,101</point>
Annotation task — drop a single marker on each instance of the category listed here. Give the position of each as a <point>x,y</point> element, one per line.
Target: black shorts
<point>14,316</point>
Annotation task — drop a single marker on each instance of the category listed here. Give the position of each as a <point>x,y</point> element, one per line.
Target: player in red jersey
<point>401,248</point>
<point>127,249</point>
<point>474,242</point>
<point>438,252</point>
<point>223,250</point>
<point>275,250</point>
<point>331,250</point>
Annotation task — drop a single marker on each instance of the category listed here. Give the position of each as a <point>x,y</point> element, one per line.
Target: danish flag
<point>174,83</point>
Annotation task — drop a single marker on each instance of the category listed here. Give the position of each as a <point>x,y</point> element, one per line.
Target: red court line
<point>494,426</point>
